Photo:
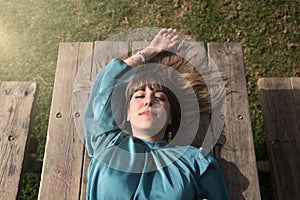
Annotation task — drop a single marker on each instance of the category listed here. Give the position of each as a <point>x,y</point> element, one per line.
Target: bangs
<point>140,82</point>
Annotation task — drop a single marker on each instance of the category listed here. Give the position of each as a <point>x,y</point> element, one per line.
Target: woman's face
<point>149,113</point>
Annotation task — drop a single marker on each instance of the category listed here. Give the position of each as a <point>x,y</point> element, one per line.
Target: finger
<point>162,31</point>
<point>175,38</point>
<point>173,44</point>
<point>170,36</point>
<point>170,31</point>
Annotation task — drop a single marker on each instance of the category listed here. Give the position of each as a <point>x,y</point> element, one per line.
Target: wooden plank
<point>236,156</point>
<point>103,52</point>
<point>295,83</point>
<point>138,45</point>
<point>15,105</point>
<point>195,53</point>
<point>66,161</point>
<point>85,167</point>
<point>280,98</point>
<point>106,50</point>
<point>63,160</point>
<point>81,88</point>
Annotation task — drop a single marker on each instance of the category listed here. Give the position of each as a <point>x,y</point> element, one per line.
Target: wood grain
<point>62,169</point>
<point>66,162</point>
<point>280,98</point>
<point>236,154</point>
<point>15,105</point>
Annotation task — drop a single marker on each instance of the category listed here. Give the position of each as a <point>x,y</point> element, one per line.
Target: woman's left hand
<point>165,40</point>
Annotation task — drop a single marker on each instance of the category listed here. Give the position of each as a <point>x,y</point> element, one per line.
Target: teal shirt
<point>125,167</point>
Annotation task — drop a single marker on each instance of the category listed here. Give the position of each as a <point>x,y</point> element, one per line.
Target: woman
<point>137,162</point>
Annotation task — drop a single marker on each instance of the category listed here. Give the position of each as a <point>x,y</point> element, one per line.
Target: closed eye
<point>161,98</point>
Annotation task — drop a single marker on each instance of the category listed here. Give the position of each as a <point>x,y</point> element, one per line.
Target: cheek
<point>133,106</point>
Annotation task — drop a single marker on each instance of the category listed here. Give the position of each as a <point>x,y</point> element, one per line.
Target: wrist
<point>150,53</point>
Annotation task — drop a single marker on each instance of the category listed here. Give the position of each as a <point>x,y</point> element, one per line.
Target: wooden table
<point>65,163</point>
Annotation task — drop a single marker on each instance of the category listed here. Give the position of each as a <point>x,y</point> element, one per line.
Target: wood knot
<point>275,142</point>
<point>77,114</point>
<point>58,115</point>
<point>11,138</point>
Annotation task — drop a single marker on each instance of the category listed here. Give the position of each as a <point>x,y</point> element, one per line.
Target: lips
<point>146,112</point>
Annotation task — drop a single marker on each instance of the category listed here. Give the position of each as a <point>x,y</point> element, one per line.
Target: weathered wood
<point>280,100</point>
<point>15,105</point>
<point>106,50</point>
<point>85,77</point>
<point>81,88</point>
<point>66,161</point>
<point>85,167</point>
<point>62,169</point>
<point>209,130</point>
<point>236,156</point>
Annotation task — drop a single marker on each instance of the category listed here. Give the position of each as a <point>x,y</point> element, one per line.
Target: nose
<point>149,100</point>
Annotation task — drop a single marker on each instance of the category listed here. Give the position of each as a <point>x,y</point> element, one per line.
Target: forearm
<point>98,116</point>
<point>136,59</point>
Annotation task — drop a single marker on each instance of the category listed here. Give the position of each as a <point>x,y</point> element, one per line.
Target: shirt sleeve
<point>99,117</point>
<point>211,182</point>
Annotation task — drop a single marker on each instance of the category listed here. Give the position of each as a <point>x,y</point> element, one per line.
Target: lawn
<point>30,32</point>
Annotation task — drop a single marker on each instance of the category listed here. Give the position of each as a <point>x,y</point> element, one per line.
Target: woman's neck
<point>153,138</point>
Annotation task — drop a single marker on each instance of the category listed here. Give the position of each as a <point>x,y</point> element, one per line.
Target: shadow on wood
<point>280,100</point>
<point>234,178</point>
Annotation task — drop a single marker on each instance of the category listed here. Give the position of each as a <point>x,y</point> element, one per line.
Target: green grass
<point>30,32</point>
